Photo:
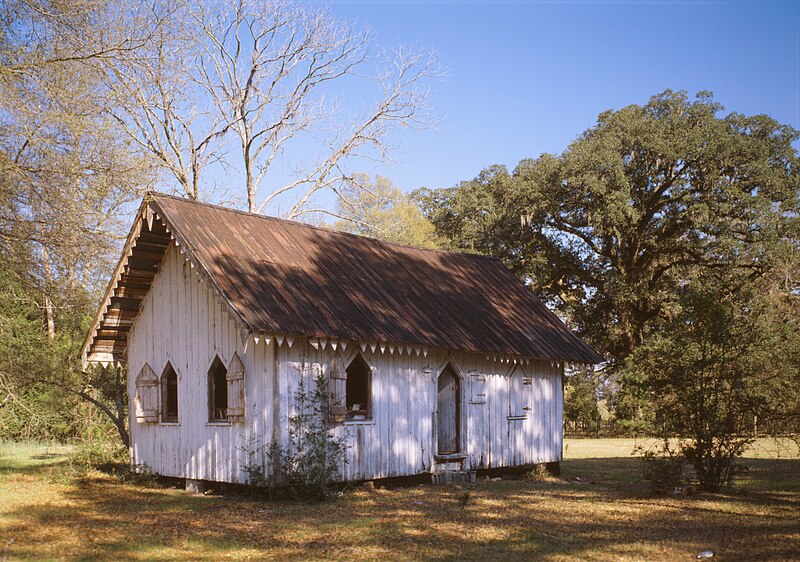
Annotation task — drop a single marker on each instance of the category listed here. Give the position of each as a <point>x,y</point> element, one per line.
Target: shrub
<point>312,458</point>
<point>663,466</point>
<point>538,473</point>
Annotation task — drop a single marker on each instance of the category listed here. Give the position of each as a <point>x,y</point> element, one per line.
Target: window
<point>169,394</point>
<point>217,391</point>
<point>145,402</point>
<point>358,390</point>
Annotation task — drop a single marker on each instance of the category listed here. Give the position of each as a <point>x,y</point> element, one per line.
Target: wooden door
<point>447,420</point>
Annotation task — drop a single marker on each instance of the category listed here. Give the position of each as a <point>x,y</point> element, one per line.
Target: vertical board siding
<point>182,321</point>
<point>401,438</point>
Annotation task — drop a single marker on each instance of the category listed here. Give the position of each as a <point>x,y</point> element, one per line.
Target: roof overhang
<point>150,237</point>
<point>155,230</point>
<point>147,242</point>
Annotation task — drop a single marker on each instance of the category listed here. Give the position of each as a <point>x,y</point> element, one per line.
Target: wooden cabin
<point>436,360</point>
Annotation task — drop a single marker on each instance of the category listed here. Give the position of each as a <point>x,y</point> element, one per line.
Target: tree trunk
<point>48,303</point>
<point>117,418</point>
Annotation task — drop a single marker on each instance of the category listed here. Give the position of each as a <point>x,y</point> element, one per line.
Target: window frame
<point>214,372</point>
<point>450,366</point>
<point>350,415</point>
<point>165,416</point>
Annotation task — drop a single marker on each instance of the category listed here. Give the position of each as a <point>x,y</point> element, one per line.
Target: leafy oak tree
<point>639,213</point>
<point>607,230</point>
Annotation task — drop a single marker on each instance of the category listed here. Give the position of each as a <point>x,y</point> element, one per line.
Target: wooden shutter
<point>235,381</point>
<point>477,386</point>
<point>519,394</point>
<point>146,400</point>
<point>337,391</point>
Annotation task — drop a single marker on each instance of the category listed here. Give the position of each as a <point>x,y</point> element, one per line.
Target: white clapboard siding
<point>182,321</point>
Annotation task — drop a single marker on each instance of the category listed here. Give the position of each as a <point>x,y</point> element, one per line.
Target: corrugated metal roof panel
<point>286,277</point>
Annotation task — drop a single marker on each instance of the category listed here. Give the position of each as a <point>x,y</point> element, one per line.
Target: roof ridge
<point>345,287</point>
<point>157,195</point>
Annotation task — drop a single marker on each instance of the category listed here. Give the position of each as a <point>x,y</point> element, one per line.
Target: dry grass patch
<point>607,514</point>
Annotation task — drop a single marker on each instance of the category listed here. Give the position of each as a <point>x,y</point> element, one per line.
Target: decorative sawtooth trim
<point>336,345</point>
<point>148,217</point>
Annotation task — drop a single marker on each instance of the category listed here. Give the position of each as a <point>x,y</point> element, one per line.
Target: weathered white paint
<point>181,321</point>
<point>504,420</point>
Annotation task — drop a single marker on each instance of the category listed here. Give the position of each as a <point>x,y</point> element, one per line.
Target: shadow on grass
<point>101,518</point>
<point>29,464</point>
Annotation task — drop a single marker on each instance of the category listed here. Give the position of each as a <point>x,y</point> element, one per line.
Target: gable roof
<point>281,277</point>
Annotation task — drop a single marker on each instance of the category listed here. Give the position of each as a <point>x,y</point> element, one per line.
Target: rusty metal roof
<point>284,277</point>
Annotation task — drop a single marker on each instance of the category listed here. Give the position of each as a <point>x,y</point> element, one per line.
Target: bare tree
<point>67,176</point>
<point>261,74</point>
<point>152,95</point>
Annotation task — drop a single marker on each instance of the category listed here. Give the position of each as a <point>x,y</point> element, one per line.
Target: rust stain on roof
<point>283,277</point>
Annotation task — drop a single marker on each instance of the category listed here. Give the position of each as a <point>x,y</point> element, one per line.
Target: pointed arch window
<point>169,394</point>
<point>358,389</point>
<point>226,390</point>
<point>217,391</point>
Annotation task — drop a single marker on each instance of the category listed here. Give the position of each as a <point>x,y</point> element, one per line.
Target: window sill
<point>168,424</point>
<point>359,422</point>
<point>218,424</point>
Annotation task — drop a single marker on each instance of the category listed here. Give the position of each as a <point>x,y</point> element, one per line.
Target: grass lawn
<point>597,510</point>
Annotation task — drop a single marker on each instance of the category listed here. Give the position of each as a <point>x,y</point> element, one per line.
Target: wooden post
<point>90,418</point>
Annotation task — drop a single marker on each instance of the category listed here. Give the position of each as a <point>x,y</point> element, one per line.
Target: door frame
<point>460,421</point>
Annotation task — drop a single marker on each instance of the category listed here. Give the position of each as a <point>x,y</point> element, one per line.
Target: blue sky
<point>528,77</point>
